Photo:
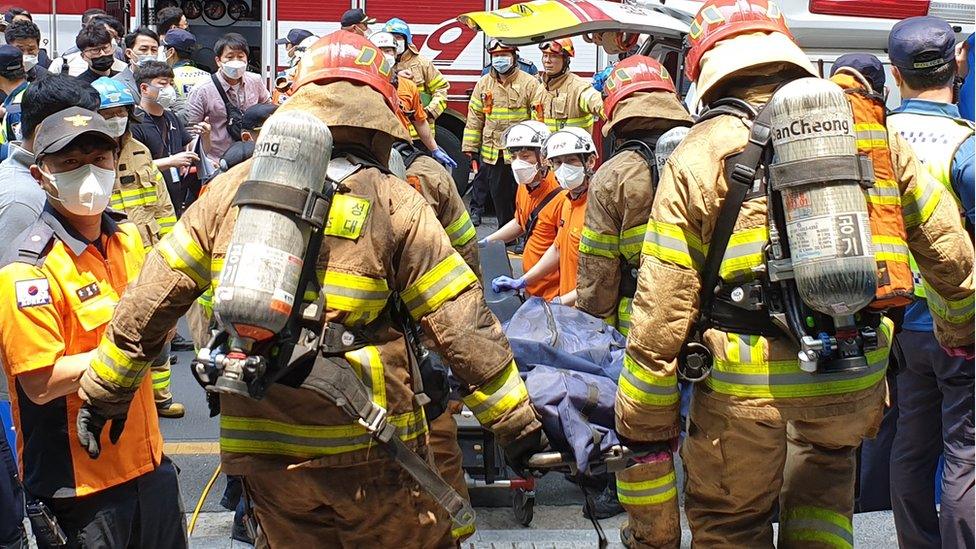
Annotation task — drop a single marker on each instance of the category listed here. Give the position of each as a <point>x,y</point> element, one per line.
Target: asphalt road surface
<point>192,442</point>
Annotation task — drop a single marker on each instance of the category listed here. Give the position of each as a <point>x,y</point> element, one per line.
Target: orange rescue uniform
<point>544,233</point>
<point>57,296</point>
<point>571,219</point>
<point>411,106</point>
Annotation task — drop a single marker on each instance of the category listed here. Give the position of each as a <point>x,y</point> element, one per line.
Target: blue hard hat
<point>113,93</point>
<point>921,44</point>
<point>399,26</point>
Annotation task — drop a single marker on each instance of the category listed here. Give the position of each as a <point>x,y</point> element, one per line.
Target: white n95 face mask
<point>166,96</point>
<point>570,177</point>
<point>117,125</point>
<point>233,69</point>
<point>85,190</point>
<point>524,171</point>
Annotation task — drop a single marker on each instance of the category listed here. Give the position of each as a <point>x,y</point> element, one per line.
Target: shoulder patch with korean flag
<point>33,292</point>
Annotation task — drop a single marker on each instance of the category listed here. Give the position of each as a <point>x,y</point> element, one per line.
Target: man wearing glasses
<point>95,44</point>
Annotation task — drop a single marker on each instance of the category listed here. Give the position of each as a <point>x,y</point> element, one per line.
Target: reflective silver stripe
<point>872,135</point>
<point>425,296</point>
<point>459,232</point>
<point>745,349</point>
<point>647,387</point>
<point>885,191</point>
<point>645,493</point>
<point>912,207</point>
<point>511,383</point>
<point>173,246</point>
<point>412,427</point>
<point>675,244</point>
<point>815,525</point>
<point>743,250</point>
<point>632,244</point>
<point>799,378</point>
<point>355,293</point>
<point>585,241</point>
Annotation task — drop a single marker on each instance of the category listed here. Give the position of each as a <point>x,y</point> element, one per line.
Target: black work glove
<point>517,453</point>
<point>90,425</point>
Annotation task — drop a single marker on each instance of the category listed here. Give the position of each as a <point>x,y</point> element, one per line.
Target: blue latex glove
<point>483,242</point>
<point>444,158</point>
<point>502,283</point>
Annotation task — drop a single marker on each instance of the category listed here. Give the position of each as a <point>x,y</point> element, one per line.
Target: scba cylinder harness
<point>269,332</point>
<point>818,281</point>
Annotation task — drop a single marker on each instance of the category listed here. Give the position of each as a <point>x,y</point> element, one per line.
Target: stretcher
<point>494,263</point>
<point>550,339</point>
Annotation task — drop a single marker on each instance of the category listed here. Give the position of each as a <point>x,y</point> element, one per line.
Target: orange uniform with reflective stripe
<point>571,219</point>
<point>888,234</point>
<point>61,305</point>
<point>544,233</point>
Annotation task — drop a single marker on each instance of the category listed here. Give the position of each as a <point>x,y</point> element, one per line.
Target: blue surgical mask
<point>501,63</point>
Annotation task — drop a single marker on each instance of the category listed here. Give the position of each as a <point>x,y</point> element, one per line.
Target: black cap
<point>355,17</point>
<point>254,117</point>
<point>58,130</point>
<point>295,37</point>
<point>237,153</point>
<point>868,65</point>
<point>921,44</point>
<point>11,59</point>
<point>180,39</point>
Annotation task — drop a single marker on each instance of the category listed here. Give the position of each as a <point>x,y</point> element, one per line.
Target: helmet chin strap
<point>561,72</point>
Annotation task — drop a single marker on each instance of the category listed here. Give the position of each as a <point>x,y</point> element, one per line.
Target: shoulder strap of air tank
<point>740,173</point>
<point>645,148</point>
<point>732,106</point>
<point>408,151</point>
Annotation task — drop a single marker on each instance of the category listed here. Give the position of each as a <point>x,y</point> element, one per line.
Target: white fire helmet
<point>383,40</point>
<point>529,134</point>
<point>569,140</point>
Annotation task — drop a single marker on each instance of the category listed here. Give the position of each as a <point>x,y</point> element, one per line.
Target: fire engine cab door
<point>541,20</point>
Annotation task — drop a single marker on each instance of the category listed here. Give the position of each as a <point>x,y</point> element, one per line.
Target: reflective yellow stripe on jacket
<point>497,397</point>
<point>594,243</point>
<point>624,310</point>
<point>246,435</point>
<point>814,525</point>
<point>673,245</point>
<point>183,254</point>
<point>645,387</point>
<point>955,312</point>
<point>744,371</point>
<point>648,492</point>
<point>439,285</point>
<point>920,201</point>
<point>631,243</point>
<point>132,198</point>
<point>114,366</point>
<point>461,230</point>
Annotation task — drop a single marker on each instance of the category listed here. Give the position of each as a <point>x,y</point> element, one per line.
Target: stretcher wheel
<point>523,505</point>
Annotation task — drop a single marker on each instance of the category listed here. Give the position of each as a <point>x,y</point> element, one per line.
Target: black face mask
<point>103,63</point>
